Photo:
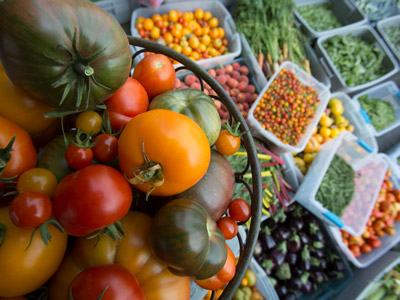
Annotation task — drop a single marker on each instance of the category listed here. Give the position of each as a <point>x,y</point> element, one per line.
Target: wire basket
<point>246,251</point>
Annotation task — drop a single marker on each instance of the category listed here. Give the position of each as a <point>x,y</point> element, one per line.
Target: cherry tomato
<point>222,277</point>
<point>375,243</point>
<point>112,282</point>
<point>239,210</point>
<point>30,209</point>
<point>228,227</point>
<point>130,100</point>
<point>89,121</point>
<point>39,180</point>
<point>78,157</point>
<point>90,199</point>
<point>156,73</point>
<point>227,144</point>
<point>106,148</point>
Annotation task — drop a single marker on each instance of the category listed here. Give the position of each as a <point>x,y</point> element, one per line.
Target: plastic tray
<point>382,25</point>
<point>377,10</point>
<point>217,9</point>
<point>394,154</point>
<point>347,146</point>
<point>327,289</point>
<point>273,142</point>
<point>346,12</point>
<point>365,32</point>
<point>290,171</point>
<point>263,285</point>
<point>119,9</point>
<point>387,92</point>
<point>317,70</point>
<point>388,241</point>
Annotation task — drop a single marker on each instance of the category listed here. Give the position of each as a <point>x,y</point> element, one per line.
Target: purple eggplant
<point>258,249</point>
<point>317,276</point>
<point>281,290</point>
<point>290,296</point>
<point>270,223</point>
<point>296,223</point>
<point>266,239</point>
<point>335,262</point>
<point>323,265</point>
<point>268,265</point>
<point>294,244</point>
<point>277,257</point>
<point>291,258</point>
<point>297,271</point>
<point>304,238</point>
<point>315,263</point>
<point>282,233</point>
<point>296,283</point>
<point>305,263</point>
<point>318,253</point>
<point>307,286</point>
<point>316,233</point>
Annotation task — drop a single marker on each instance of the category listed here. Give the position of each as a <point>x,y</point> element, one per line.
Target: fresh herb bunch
<point>337,187</point>
<point>271,32</point>
<point>358,61</point>
<point>393,33</point>
<point>380,112</point>
<point>320,17</point>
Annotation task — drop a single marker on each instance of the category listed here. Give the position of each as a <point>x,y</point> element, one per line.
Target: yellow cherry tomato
<point>325,132</point>
<point>38,180</point>
<point>213,52</point>
<point>350,128</point>
<point>333,101</point>
<point>207,16</point>
<point>214,33</point>
<point>148,24</point>
<point>89,121</point>
<point>194,42</point>
<point>202,48</point>
<point>176,32</point>
<point>155,33</point>
<point>199,14</point>
<point>309,157</point>
<point>334,132</point>
<point>206,40</point>
<point>168,37</point>
<point>173,16</point>
<point>217,43</point>
<point>177,48</point>
<point>221,32</point>
<point>187,51</point>
<point>325,121</point>
<point>213,22</point>
<point>156,17</point>
<point>337,109</point>
<point>319,137</point>
<point>195,55</point>
<point>341,121</point>
<point>139,20</point>
<point>186,16</point>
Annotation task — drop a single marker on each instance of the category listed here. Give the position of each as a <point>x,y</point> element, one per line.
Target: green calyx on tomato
<point>185,237</point>
<point>70,297</point>
<point>44,232</point>
<point>113,231</point>
<point>5,157</point>
<point>233,129</point>
<point>3,230</point>
<point>84,140</point>
<point>196,105</point>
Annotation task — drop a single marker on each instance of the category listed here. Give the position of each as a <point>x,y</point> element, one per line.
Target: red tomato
<point>30,209</point>
<point>78,157</point>
<point>228,227</point>
<point>106,148</point>
<point>130,100</point>
<point>222,277</point>
<point>239,210</point>
<point>23,154</point>
<point>111,282</point>
<point>226,143</point>
<point>156,73</point>
<point>90,199</point>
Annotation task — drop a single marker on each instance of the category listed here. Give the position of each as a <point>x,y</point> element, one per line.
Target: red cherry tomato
<point>78,157</point>
<point>228,227</point>
<point>156,73</point>
<point>239,210</point>
<point>111,282</point>
<point>130,100</point>
<point>106,148</point>
<point>30,209</point>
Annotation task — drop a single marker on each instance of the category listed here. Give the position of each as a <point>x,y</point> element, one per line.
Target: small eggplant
<point>315,263</point>
<point>307,286</point>
<point>297,271</point>
<point>318,253</point>
<point>294,243</point>
<point>290,296</point>
<point>296,283</point>
<point>323,264</point>
<point>291,258</point>
<point>277,257</point>
<point>316,233</point>
<point>281,290</point>
<point>305,263</point>
<point>304,238</point>
<point>332,274</point>
<point>258,249</point>
<point>270,222</point>
<point>266,239</point>
<point>296,223</point>
<point>338,265</point>
<point>282,233</point>
<point>268,265</point>
<point>317,276</point>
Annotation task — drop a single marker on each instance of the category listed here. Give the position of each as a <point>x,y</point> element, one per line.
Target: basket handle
<point>333,218</point>
<point>326,67</point>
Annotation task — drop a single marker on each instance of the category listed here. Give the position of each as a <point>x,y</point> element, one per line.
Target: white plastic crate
<point>119,9</point>
<point>388,92</point>
<point>365,32</point>
<point>388,241</point>
<point>346,12</point>
<point>385,23</point>
<point>347,146</point>
<point>394,154</point>
<point>217,9</point>
<point>274,143</point>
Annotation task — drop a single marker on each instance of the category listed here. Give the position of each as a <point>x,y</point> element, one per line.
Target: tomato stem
<point>83,70</point>
<point>44,232</point>
<point>113,231</point>
<point>3,230</point>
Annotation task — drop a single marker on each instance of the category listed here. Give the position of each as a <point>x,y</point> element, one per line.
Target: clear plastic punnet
<point>273,142</point>
<point>394,154</point>
<point>366,165</point>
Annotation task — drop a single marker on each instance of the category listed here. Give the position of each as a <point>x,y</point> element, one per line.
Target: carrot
<point>260,60</point>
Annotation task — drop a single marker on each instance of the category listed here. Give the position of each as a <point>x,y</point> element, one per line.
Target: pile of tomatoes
<point>80,187</point>
<point>194,34</point>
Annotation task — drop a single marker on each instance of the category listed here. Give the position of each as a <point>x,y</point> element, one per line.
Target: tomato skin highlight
<point>78,157</point>
<point>120,284</point>
<point>30,209</point>
<point>106,148</point>
<point>81,202</point>
<point>226,143</point>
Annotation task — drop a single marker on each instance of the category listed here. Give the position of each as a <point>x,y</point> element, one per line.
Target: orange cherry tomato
<point>227,144</point>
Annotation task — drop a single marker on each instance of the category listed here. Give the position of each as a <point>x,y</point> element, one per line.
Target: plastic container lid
<point>217,9</point>
<point>394,154</point>
<point>275,144</point>
<point>119,9</point>
<point>388,241</point>
<point>388,92</point>
<point>364,163</point>
<point>385,23</point>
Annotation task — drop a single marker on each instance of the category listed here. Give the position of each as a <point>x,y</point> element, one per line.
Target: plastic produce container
<point>363,162</point>
<point>382,25</point>
<point>365,32</point>
<point>326,290</point>
<point>273,142</point>
<point>365,277</point>
<point>394,154</point>
<point>263,285</point>
<point>120,9</point>
<point>388,92</point>
<point>346,12</point>
<point>217,9</point>
<point>317,70</point>
<point>388,241</point>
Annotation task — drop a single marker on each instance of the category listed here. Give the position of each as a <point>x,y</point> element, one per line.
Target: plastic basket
<point>217,9</point>
<point>365,32</point>
<point>275,144</point>
<point>394,154</point>
<point>387,92</point>
<point>120,9</point>
<point>388,241</point>
<point>382,25</point>
<point>346,12</point>
<point>356,214</point>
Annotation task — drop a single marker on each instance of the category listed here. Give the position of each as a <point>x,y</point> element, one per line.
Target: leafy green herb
<point>380,112</point>
<point>357,60</point>
<point>320,17</point>
<point>393,33</point>
<point>337,187</point>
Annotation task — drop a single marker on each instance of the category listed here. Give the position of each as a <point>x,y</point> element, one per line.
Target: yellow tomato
<point>195,55</point>
<point>202,48</point>
<point>350,128</point>
<point>213,22</point>
<point>89,121</point>
<point>194,42</point>
<point>333,101</point>
<point>214,33</point>
<point>325,121</point>
<point>337,109</point>
<point>334,132</point>
<point>217,43</point>
<point>176,32</point>
<point>309,157</point>
<point>156,17</point>
<point>221,32</point>
<point>168,37</point>
<point>177,48</point>
<point>25,270</point>
<point>341,121</point>
<point>199,14</point>
<point>186,16</point>
<point>198,31</point>
<point>206,40</point>
<point>185,31</point>
<point>187,51</point>
<point>148,24</point>
<point>38,180</point>
<point>319,137</point>
<point>173,16</point>
<point>214,52</point>
<point>139,20</point>
<point>325,132</point>
<point>155,33</point>
<point>207,16</point>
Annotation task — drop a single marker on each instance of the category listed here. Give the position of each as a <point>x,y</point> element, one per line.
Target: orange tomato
<point>186,16</point>
<point>155,33</point>
<point>213,22</point>
<point>206,40</point>
<point>227,144</point>
<point>156,17</point>
<point>217,43</point>
<point>177,48</point>
<point>221,32</point>
<point>183,158</point>
<point>194,42</point>
<point>214,33</point>
<point>148,24</point>
<point>168,37</point>
<point>187,51</point>
<point>207,16</point>
<point>173,16</point>
<point>199,14</point>
<point>198,31</point>
<point>176,32</point>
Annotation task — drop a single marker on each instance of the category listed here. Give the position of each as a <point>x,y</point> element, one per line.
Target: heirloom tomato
<point>132,251</point>
<point>22,269</point>
<point>91,198</point>
<point>21,154</point>
<point>164,150</point>
<point>156,73</point>
<point>106,147</point>
<point>39,180</point>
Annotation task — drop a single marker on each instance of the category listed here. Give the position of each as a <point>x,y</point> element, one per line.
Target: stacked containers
<point>384,24</point>
<point>119,9</point>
